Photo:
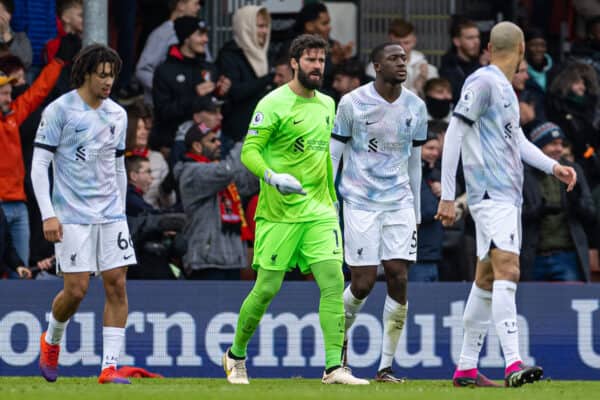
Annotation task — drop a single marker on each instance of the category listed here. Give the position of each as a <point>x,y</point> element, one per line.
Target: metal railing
<point>430,18</point>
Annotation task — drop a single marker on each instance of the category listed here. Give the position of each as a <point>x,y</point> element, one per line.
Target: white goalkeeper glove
<point>284,183</point>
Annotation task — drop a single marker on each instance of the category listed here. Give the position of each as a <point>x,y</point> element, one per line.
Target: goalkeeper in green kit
<point>287,145</point>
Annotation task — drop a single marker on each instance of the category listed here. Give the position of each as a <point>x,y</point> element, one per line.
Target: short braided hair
<point>87,61</point>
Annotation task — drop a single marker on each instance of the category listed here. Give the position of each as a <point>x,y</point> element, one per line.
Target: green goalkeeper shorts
<point>281,246</point>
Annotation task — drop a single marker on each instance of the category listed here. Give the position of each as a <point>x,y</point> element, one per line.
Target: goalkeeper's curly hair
<point>307,42</point>
<point>88,59</point>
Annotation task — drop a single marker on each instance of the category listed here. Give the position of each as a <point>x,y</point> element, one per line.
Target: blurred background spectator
<point>211,192</point>
<point>418,70</point>
<point>244,61</point>
<point>555,245</point>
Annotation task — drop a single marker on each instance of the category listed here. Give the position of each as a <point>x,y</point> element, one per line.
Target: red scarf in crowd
<point>230,203</point>
<point>142,152</point>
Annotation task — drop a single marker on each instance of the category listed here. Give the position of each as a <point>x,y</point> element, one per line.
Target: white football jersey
<point>375,167</point>
<point>491,156</point>
<point>85,143</point>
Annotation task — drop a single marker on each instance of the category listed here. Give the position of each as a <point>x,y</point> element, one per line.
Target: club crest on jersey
<point>327,119</point>
<point>408,122</point>
<point>180,78</point>
<point>112,130</point>
<point>258,118</point>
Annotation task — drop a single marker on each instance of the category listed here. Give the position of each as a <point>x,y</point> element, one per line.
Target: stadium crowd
<point>190,201</point>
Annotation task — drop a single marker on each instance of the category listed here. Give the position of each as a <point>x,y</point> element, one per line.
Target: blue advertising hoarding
<point>182,328</point>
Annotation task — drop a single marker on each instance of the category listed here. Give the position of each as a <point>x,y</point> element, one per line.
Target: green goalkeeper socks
<point>330,279</point>
<point>266,287</point>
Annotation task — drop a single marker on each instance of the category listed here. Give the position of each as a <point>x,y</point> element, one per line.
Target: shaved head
<point>506,36</point>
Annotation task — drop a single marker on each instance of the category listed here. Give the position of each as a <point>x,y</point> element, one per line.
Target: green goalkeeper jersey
<point>290,134</point>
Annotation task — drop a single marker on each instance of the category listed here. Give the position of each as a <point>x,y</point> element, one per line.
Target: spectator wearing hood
<point>183,79</point>
<point>244,61</point>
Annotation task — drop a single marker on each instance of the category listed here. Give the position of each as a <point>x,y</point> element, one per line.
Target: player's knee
<point>265,294</point>
<point>508,273</point>
<point>362,287</point>
<point>76,292</point>
<point>115,288</point>
<point>485,282</point>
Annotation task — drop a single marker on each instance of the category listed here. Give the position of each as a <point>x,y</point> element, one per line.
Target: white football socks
<point>352,307</point>
<point>394,317</point>
<point>476,321</point>
<point>55,330</point>
<point>504,313</point>
<point>112,341</point>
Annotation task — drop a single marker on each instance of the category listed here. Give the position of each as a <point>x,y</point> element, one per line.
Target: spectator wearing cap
<point>244,61</point>
<point>13,67</point>
<point>17,42</point>
<point>555,245</point>
<point>160,41</point>
<point>181,80</point>
<point>211,190</point>
<point>207,116</point>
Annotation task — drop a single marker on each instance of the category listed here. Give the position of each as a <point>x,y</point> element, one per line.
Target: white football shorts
<point>498,223</point>
<point>94,248</point>
<point>373,236</point>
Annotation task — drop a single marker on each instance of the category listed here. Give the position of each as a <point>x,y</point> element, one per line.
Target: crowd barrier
<point>182,328</point>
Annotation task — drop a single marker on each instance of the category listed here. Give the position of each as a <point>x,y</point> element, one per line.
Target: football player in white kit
<point>82,134</point>
<point>485,130</point>
<point>379,129</point>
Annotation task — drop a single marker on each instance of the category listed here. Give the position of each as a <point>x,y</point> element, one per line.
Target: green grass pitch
<point>35,388</point>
